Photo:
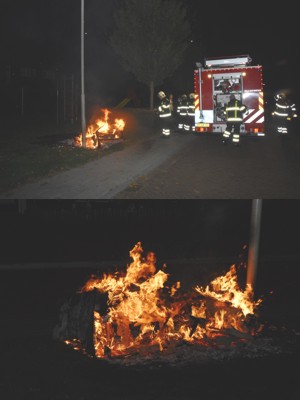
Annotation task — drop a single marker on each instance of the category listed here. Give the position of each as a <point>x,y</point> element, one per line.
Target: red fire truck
<point>215,81</point>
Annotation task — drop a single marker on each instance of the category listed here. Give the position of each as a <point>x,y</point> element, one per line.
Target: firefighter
<point>165,114</point>
<point>234,113</point>
<point>182,110</point>
<point>176,113</point>
<point>284,112</point>
<point>171,97</point>
<point>191,112</point>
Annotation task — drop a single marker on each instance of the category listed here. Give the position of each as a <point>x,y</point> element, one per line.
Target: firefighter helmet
<point>184,96</point>
<point>192,96</point>
<point>280,95</point>
<point>161,95</point>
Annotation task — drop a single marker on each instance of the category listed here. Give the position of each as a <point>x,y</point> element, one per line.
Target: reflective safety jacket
<point>164,109</point>
<point>182,108</point>
<point>234,111</point>
<point>191,108</point>
<point>284,110</point>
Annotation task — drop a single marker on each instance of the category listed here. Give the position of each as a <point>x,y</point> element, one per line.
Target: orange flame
<point>144,315</point>
<point>101,129</point>
<point>226,289</point>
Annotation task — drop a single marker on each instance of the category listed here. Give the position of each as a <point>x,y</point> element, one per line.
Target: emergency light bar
<point>227,62</point>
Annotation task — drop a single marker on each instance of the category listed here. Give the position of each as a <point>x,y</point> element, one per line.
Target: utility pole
<point>254,241</point>
<point>83,122</point>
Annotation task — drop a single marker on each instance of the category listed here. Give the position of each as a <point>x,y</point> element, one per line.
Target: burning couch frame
<point>100,131</point>
<point>136,312</point>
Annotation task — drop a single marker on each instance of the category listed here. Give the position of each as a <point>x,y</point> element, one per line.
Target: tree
<point>150,39</point>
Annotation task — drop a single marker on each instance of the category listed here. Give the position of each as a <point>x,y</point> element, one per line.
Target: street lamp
<point>83,122</point>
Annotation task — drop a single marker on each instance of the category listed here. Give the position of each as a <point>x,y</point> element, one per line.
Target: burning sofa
<point>136,313</point>
<point>101,130</point>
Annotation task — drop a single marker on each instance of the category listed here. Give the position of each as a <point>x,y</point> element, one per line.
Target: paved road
<point>184,166</point>
<point>104,178</point>
<point>260,168</point>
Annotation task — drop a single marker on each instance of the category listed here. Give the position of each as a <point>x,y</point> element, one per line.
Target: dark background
<point>46,35</point>
<point>197,239</point>
<point>97,230</point>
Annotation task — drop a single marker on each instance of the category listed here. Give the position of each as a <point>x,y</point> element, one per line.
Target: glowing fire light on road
<point>145,315</point>
<point>101,129</point>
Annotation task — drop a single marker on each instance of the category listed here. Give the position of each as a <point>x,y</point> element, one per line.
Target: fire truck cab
<point>213,84</point>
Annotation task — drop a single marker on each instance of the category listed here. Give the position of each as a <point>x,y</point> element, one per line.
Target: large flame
<point>143,314</point>
<point>226,289</point>
<point>101,129</point>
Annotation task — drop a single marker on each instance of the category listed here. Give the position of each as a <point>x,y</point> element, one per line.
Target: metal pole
<point>254,242</point>
<point>83,122</point>
<point>200,91</point>
<point>72,99</point>
<point>200,88</point>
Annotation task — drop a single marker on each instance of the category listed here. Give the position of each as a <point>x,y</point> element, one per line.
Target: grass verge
<point>33,150</point>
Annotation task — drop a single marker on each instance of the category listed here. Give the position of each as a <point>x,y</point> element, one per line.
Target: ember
<point>135,313</point>
<point>101,130</point>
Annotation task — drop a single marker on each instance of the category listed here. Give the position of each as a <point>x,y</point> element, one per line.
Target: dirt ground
<point>35,367</point>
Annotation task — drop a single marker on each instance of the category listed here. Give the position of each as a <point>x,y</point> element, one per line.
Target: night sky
<point>47,33</point>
